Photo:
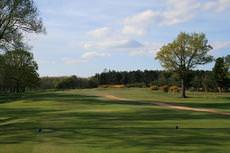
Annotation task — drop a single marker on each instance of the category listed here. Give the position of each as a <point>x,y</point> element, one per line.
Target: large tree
<point>20,70</point>
<point>16,18</point>
<point>185,53</point>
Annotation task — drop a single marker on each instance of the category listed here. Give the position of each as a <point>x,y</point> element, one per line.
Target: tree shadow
<point>145,126</point>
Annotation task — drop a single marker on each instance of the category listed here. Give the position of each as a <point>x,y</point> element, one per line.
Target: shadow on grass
<point>144,126</point>
<point>43,96</point>
<point>94,100</point>
<point>218,105</point>
<point>65,97</point>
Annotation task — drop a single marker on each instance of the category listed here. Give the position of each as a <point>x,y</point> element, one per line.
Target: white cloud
<point>146,49</point>
<point>139,23</point>
<point>100,32</point>
<point>112,44</point>
<point>217,5</point>
<point>91,55</point>
<point>179,12</point>
<point>174,13</point>
<point>109,40</point>
<point>86,57</point>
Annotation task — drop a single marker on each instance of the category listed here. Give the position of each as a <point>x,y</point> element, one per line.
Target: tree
<point>16,18</point>
<point>227,61</point>
<point>207,81</point>
<point>185,53</point>
<point>220,71</point>
<point>20,70</point>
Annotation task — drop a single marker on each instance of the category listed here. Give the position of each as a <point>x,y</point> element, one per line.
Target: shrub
<point>164,88</point>
<point>112,86</point>
<point>174,89</point>
<point>118,86</point>
<point>154,87</point>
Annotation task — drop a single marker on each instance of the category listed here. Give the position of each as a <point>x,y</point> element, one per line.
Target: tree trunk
<point>17,87</point>
<point>183,94</point>
<point>219,89</point>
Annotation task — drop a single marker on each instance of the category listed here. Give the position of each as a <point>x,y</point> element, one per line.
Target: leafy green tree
<point>185,53</point>
<point>16,18</point>
<point>220,71</point>
<point>20,70</point>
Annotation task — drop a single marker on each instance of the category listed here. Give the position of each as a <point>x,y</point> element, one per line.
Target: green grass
<point>195,99</point>
<point>80,121</point>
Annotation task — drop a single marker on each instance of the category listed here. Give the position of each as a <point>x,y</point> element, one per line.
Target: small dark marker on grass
<point>40,130</point>
<point>177,127</point>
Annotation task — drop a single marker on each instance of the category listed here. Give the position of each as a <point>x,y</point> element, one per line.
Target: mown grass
<point>195,99</point>
<point>80,121</point>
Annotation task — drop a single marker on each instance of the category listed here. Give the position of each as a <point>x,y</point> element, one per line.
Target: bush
<point>154,88</point>
<point>174,89</point>
<point>112,86</point>
<point>118,86</point>
<point>164,88</point>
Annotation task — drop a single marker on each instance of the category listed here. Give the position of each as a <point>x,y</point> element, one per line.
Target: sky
<point>85,37</point>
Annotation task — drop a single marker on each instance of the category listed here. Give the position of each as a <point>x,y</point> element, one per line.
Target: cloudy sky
<point>85,37</point>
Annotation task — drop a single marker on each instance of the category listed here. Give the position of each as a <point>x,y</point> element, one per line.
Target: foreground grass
<point>79,121</point>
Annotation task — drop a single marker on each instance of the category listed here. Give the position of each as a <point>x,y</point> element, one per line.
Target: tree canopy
<point>16,18</point>
<point>19,71</point>
<point>185,53</point>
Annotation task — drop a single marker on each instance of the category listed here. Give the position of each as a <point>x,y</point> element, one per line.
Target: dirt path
<point>111,97</point>
<point>172,106</point>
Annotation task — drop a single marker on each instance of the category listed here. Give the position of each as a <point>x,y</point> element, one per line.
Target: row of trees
<point>199,80</point>
<point>18,70</point>
<point>72,82</point>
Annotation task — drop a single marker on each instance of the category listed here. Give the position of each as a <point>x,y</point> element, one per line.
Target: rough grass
<point>80,121</point>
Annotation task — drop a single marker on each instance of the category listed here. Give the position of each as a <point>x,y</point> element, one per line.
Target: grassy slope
<point>78,121</point>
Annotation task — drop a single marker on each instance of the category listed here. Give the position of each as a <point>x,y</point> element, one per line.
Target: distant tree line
<point>196,80</point>
<point>72,82</point>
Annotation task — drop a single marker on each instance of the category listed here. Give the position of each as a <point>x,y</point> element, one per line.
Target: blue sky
<point>85,37</point>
